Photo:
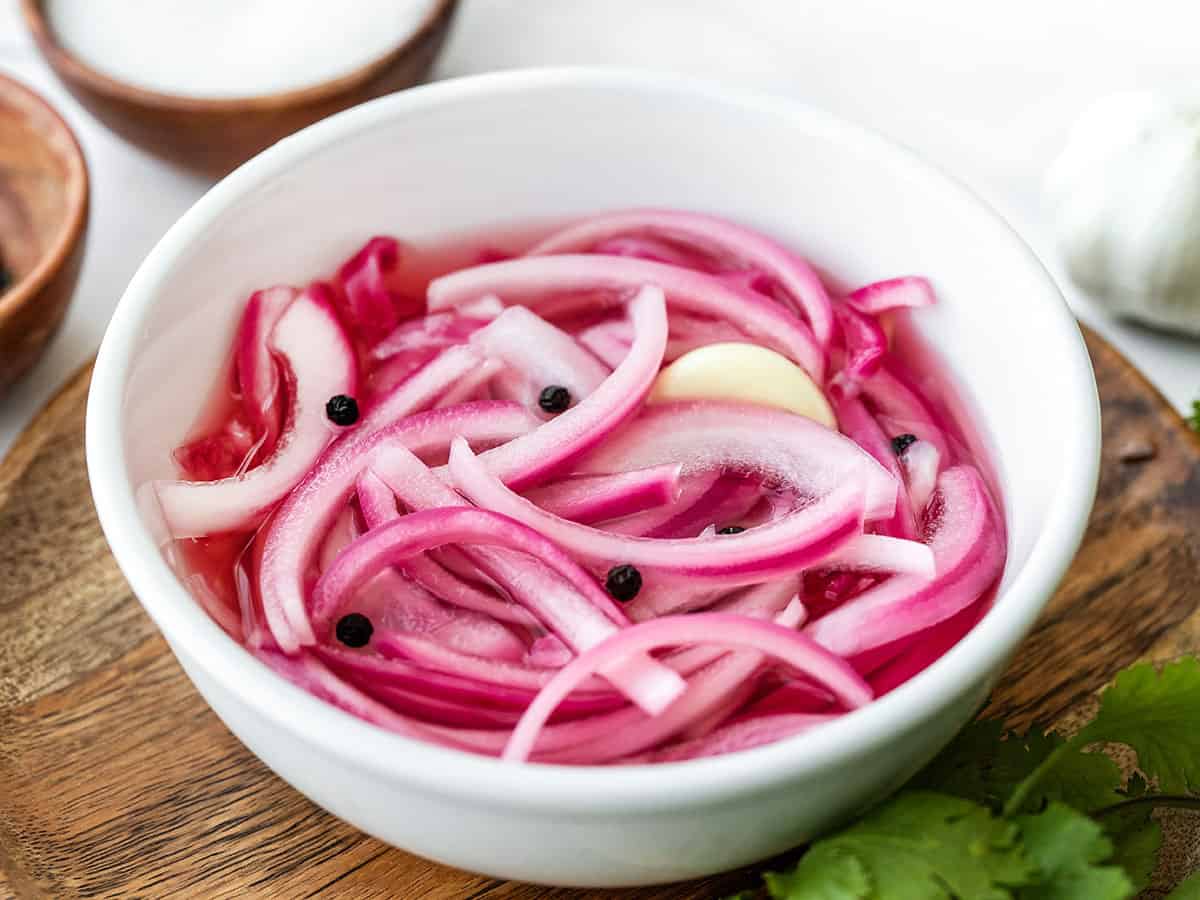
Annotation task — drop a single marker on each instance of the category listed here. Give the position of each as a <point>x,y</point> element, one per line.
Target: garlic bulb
<point>1125,199</point>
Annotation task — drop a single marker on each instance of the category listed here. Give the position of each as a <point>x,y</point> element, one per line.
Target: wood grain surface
<point>117,781</point>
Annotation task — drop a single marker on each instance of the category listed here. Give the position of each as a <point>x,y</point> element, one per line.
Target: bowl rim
<point>581,790</point>
<point>70,230</point>
<point>76,69</point>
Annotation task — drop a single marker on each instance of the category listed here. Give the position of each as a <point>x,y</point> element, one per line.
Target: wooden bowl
<point>215,135</point>
<point>43,218</point>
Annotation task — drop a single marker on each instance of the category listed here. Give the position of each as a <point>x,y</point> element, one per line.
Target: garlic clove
<point>745,373</point>
<point>1124,196</point>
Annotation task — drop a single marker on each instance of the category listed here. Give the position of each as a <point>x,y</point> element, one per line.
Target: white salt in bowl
<point>530,145</point>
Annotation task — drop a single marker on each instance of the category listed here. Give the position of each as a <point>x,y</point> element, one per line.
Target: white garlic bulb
<point>1125,199</point>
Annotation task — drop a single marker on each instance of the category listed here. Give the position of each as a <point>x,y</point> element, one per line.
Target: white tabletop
<point>984,90</point>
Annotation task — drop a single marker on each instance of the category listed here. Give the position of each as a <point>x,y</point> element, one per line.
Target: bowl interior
<point>41,181</point>
<point>519,147</point>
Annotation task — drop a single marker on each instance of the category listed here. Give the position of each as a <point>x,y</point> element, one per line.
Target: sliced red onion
<point>378,505</point>
<point>373,308</point>
<point>610,737</point>
<point>343,531</point>
<point>766,601</point>
<point>433,332</point>
<point>473,385</point>
<point>548,652</point>
<point>858,424</point>
<point>533,280</point>
<point>864,345</point>
<point>921,462</point>
<point>420,390</point>
<point>782,547</point>
<point>905,411</point>
<point>894,293</point>
<point>257,371</point>
<point>295,532</point>
<point>716,237</point>
<point>743,735</point>
<point>598,498</point>
<point>310,675</point>
<point>969,554</point>
<point>778,446</point>
<point>770,639</point>
<point>320,364</point>
<point>429,654</point>
<point>652,521</point>
<point>730,498</point>
<point>564,598</point>
<point>423,666</point>
<point>437,710</point>
<point>881,553</point>
<point>524,462</point>
<point>647,248</point>
<point>926,648</point>
<point>543,354</point>
<point>607,341</point>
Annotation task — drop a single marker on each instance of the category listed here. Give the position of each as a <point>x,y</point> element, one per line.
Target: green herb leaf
<point>1194,418</point>
<point>917,846</point>
<point>825,873</point>
<point>985,764</point>
<point>1158,715</point>
<point>1067,848</point>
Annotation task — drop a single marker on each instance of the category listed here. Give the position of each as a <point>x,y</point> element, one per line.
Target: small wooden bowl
<point>43,218</point>
<point>216,135</point>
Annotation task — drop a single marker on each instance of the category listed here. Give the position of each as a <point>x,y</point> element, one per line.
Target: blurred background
<point>986,90</point>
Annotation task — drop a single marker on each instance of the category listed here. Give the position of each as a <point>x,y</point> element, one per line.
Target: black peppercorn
<point>554,399</point>
<point>731,529</point>
<point>342,410</point>
<point>623,582</point>
<point>902,442</point>
<point>354,630</point>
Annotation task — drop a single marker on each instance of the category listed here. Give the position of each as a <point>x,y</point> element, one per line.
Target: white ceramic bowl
<point>526,145</point>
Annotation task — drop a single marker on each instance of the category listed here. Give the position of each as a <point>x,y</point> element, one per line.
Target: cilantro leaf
<point>1188,889</point>
<point>917,846</point>
<point>825,873</point>
<point>985,764</point>
<point>1194,418</point>
<point>1067,847</point>
<point>1158,715</point>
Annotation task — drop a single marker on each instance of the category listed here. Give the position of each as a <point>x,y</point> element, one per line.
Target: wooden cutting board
<point>116,779</point>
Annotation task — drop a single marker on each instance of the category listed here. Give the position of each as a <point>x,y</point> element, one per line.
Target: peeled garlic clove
<point>743,373</point>
<point>1124,196</point>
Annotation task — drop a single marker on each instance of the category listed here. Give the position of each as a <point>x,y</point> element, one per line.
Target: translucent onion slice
<point>574,608</point>
<point>782,547</point>
<point>969,551</point>
<point>533,281</point>
<point>725,240</point>
<point>788,646</point>
<point>319,363</point>
<point>420,531</point>
<point>598,498</point>
<point>543,354</point>
<point>908,292</point>
<point>527,461</point>
<point>298,526</point>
